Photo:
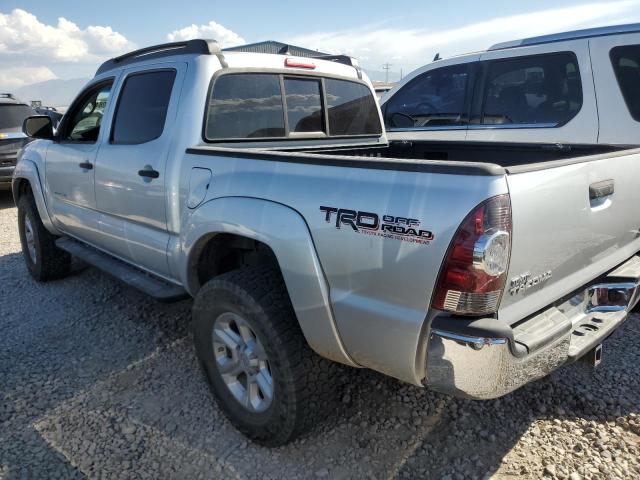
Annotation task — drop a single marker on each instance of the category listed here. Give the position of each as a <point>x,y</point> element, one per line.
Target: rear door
<point>540,93</point>
<point>616,61</point>
<point>432,103</point>
<point>131,164</point>
<point>564,235</point>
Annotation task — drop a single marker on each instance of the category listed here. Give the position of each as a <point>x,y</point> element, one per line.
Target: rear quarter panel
<point>380,288</point>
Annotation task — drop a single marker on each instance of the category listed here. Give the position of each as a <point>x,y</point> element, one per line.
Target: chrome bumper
<point>484,367</point>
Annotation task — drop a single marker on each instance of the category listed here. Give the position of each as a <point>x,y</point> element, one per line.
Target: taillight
<point>474,272</point>
<point>291,62</point>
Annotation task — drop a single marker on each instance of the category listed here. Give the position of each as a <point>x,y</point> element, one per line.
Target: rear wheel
<point>266,379</point>
<point>43,259</point>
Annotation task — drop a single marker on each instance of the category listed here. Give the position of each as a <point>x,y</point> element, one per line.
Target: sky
<point>63,39</point>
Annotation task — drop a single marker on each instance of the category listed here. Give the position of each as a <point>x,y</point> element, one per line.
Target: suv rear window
<point>626,64</point>
<point>539,89</point>
<point>12,116</point>
<point>268,105</point>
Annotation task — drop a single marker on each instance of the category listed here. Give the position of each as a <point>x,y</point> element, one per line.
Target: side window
<point>142,107</point>
<point>626,64</point>
<point>86,116</point>
<point>245,106</point>
<point>352,109</point>
<point>435,98</point>
<point>304,105</point>
<point>540,89</point>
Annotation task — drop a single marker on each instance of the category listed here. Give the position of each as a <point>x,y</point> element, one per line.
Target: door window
<point>626,64</point>
<point>86,115</point>
<point>142,107</point>
<point>539,89</point>
<point>434,99</point>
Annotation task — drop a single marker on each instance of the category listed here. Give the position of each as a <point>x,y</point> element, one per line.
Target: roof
<point>9,98</point>
<point>274,47</point>
<point>573,35</point>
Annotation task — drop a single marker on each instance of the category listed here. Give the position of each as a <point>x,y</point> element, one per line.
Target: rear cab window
<point>626,65</point>
<point>257,106</point>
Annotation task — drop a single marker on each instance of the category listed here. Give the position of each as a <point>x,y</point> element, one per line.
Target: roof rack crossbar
<point>343,59</point>
<point>197,46</point>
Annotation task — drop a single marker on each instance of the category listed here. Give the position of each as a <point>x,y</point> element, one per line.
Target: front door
<point>70,163</point>
<point>130,168</point>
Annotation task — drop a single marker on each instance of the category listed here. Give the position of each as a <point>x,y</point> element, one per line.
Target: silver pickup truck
<point>264,187</point>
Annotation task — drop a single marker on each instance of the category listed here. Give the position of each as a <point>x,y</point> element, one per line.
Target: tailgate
<point>571,223</point>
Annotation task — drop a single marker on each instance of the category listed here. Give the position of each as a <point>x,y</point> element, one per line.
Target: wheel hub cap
<point>242,362</point>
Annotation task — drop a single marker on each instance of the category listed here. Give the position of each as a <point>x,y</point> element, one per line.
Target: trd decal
<point>387,226</point>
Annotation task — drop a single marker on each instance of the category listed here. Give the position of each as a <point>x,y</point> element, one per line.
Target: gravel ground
<point>98,381</point>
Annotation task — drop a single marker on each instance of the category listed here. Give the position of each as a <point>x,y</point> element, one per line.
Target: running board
<point>152,286</point>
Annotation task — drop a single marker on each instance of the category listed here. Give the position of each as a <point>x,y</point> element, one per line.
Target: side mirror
<point>38,126</point>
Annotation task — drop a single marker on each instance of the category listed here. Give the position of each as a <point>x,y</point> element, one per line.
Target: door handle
<point>86,165</point>
<point>148,172</point>
<point>601,189</point>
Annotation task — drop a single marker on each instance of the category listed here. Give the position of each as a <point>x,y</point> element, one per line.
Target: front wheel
<point>266,379</point>
<point>44,260</point>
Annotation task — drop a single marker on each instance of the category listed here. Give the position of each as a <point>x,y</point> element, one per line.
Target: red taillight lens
<point>291,62</point>
<point>474,272</point>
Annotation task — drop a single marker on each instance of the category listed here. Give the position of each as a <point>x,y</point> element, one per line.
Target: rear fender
<point>285,231</point>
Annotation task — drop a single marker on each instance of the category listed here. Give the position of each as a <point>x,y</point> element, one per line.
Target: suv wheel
<point>266,379</point>
<point>44,260</point>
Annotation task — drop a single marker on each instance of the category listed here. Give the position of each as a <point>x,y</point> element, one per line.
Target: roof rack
<point>343,59</point>
<point>197,46</point>
<point>574,35</point>
<point>7,95</point>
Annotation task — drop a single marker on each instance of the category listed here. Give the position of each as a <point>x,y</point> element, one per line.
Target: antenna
<point>386,68</point>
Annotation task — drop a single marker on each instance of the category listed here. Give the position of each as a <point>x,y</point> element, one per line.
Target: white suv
<point>575,87</point>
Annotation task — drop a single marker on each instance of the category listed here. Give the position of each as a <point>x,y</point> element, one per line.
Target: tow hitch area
<point>594,356</point>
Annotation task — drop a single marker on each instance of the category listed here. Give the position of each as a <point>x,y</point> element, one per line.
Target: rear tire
<point>251,312</point>
<point>44,260</point>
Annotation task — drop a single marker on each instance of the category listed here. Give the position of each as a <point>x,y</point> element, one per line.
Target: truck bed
<point>507,155</point>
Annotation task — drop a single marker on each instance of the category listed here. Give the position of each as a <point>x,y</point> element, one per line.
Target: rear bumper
<point>484,359</point>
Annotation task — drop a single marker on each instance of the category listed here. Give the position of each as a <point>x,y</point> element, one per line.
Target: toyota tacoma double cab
<point>264,187</point>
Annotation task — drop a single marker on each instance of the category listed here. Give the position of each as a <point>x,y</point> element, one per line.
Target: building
<point>277,48</point>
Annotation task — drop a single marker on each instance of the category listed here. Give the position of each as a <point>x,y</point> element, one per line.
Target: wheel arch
<point>26,177</point>
<point>268,232</point>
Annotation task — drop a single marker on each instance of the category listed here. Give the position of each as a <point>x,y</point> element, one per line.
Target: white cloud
<point>21,33</point>
<point>412,48</point>
<point>212,30</point>
<point>27,45</point>
<point>15,77</point>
